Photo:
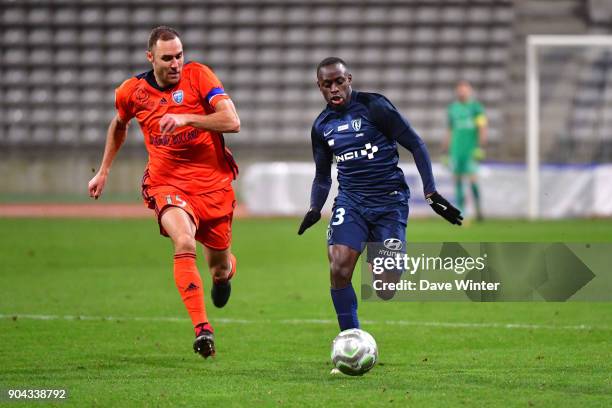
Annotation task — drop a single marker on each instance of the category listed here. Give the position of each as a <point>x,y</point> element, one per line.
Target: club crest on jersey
<point>177,96</point>
<point>356,123</point>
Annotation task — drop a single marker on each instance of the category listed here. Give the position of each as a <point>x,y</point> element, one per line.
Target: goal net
<point>569,126</point>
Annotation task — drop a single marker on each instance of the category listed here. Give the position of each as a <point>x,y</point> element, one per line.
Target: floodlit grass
<point>123,269</point>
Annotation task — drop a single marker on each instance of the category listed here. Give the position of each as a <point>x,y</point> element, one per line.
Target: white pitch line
<point>468,325</point>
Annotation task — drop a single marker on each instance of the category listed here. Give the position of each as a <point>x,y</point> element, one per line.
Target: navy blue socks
<point>345,303</point>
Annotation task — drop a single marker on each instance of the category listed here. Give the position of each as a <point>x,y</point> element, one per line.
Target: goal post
<point>534,45</point>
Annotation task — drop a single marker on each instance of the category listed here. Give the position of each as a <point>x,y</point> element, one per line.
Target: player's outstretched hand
<point>310,219</point>
<point>444,209</point>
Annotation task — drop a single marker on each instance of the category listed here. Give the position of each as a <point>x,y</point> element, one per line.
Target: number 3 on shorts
<point>338,217</point>
<point>177,201</point>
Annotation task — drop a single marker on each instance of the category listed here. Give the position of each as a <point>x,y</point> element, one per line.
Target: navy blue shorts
<point>354,225</point>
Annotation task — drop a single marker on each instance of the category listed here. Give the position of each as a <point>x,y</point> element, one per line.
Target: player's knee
<point>341,274</point>
<point>184,243</point>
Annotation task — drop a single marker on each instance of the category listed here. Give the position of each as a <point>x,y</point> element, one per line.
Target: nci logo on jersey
<point>356,123</point>
<point>367,151</point>
<point>177,96</point>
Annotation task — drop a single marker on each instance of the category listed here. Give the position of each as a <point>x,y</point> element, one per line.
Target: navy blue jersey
<point>362,138</point>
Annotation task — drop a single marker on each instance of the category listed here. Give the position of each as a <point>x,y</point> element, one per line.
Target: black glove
<point>444,209</point>
<point>312,216</point>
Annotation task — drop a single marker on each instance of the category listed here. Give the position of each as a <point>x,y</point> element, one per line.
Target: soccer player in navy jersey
<point>361,130</point>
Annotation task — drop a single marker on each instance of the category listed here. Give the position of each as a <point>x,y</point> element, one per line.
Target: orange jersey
<point>193,160</point>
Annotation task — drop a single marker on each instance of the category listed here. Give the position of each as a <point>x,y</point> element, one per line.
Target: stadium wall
<point>283,188</point>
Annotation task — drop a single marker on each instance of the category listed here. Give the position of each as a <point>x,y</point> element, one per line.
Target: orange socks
<point>189,285</point>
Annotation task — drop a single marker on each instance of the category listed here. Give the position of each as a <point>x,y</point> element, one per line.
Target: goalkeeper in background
<point>466,137</point>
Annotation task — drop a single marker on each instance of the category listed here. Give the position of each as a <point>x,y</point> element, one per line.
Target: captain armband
<point>481,121</point>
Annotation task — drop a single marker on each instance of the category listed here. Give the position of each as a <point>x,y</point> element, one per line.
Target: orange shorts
<point>211,213</point>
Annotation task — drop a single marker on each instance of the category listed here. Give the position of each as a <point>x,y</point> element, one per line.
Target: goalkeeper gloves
<point>312,216</point>
<point>444,209</point>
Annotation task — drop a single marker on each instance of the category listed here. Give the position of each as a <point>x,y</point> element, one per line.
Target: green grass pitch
<point>274,336</point>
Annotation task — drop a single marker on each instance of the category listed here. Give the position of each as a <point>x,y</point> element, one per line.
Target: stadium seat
<point>14,37</point>
<point>195,37</point>
<point>297,14</point>
<point>370,15</point>
<point>451,35</point>
<point>15,96</point>
<point>14,75</point>
<point>17,133</point>
<point>476,35</point>
<point>66,96</point>
<point>42,95</point>
<point>65,77</point>
<point>91,56</point>
<point>43,135</point>
<point>91,15</point>
<point>41,115</point>
<point>115,77</point>
<point>65,16</point>
<point>221,14</point>
<point>66,116</point>
<point>66,37</point>
<point>139,38</point>
<point>265,15</point>
<point>41,76</point>
<point>503,15</point>
<point>474,55</point>
<point>92,38</point>
<point>246,15</point>
<point>65,57</point>
<point>38,15</point>
<point>68,134</point>
<point>479,14</point>
<point>92,134</point>
<point>453,15</point>
<point>501,35</point>
<point>15,57</point>
<point>195,16</point>
<point>116,57</point>
<point>373,35</point>
<point>419,75</point>
<point>40,37</point>
<point>245,36</point>
<point>400,15</point>
<point>143,16</point>
<point>116,15</point>
<point>448,55</point>
<point>426,15</point>
<point>12,14</point>
<point>169,16</point>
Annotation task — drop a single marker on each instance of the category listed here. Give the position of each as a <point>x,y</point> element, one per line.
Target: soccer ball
<point>354,352</point>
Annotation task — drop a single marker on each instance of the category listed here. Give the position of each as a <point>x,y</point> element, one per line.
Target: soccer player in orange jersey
<point>183,112</point>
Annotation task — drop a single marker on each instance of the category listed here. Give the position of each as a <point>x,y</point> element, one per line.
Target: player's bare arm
<point>482,134</point>
<point>224,120</point>
<point>116,134</point>
<point>446,141</point>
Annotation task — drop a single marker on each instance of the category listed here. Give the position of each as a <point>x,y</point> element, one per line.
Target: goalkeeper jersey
<point>464,119</point>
